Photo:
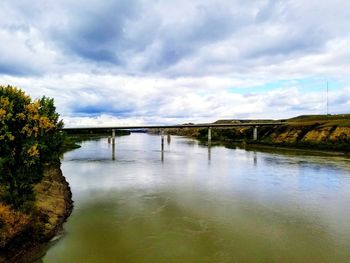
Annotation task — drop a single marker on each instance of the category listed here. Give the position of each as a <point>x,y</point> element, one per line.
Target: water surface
<point>191,205</point>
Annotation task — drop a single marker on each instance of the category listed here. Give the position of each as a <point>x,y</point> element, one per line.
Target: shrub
<point>29,136</point>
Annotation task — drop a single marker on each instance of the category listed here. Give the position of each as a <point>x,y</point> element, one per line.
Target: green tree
<point>29,136</point>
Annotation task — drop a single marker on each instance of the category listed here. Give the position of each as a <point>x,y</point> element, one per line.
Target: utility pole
<point>327,100</point>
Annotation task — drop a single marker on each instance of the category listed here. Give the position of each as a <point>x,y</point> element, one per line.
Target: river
<point>194,205</point>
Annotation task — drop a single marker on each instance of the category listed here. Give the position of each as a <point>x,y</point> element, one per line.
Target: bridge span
<point>177,126</point>
<point>201,125</point>
<point>209,126</point>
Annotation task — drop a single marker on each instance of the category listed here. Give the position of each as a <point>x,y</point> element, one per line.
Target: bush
<point>29,136</point>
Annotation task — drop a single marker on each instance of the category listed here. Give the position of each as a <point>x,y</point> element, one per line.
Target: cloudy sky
<point>175,61</point>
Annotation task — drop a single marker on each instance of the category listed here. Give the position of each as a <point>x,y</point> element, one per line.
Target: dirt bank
<point>22,234</point>
<point>317,132</point>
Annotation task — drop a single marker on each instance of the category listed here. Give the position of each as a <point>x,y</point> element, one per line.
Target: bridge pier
<point>209,135</point>
<point>162,140</point>
<point>255,158</point>
<point>168,139</point>
<point>255,133</point>
<point>209,152</point>
<point>162,145</point>
<point>113,152</point>
<point>113,144</point>
<point>113,136</point>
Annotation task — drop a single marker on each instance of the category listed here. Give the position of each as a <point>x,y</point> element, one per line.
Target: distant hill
<point>342,120</point>
<point>321,117</point>
<point>243,121</point>
<point>305,131</point>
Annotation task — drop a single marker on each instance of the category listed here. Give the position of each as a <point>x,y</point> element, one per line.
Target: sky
<point>128,62</point>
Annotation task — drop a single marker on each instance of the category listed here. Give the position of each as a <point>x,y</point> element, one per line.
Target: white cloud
<point>173,62</point>
<point>103,100</point>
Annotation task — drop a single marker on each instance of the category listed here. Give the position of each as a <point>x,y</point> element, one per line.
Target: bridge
<point>209,126</point>
<point>200,125</point>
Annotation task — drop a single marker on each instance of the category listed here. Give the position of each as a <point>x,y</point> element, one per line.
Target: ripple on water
<point>239,206</point>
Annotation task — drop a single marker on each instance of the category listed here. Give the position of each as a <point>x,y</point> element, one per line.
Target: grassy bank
<point>312,132</point>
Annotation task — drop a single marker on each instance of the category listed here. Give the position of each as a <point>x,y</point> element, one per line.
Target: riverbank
<point>285,150</point>
<point>23,233</point>
<point>27,233</point>
<point>313,132</point>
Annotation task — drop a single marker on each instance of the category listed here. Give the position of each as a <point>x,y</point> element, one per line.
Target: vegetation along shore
<point>35,198</point>
<point>317,132</point>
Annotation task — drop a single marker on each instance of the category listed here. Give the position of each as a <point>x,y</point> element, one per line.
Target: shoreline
<point>288,148</point>
<point>54,204</point>
<point>251,146</point>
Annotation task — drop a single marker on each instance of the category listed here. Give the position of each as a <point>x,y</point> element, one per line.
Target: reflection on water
<point>174,205</point>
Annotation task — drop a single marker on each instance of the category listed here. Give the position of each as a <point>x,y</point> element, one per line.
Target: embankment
<point>21,234</point>
<point>312,132</point>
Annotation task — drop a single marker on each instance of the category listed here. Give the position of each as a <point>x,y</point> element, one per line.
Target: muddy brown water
<point>192,205</point>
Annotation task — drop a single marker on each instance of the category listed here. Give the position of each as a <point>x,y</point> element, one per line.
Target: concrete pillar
<point>209,152</point>
<point>162,156</point>
<point>113,144</point>
<point>255,158</point>
<point>162,140</point>
<point>168,138</point>
<point>209,135</point>
<point>113,152</point>
<point>255,133</point>
<point>162,145</point>
<point>113,137</point>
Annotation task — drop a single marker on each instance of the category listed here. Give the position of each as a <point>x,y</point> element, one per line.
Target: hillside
<point>307,131</point>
